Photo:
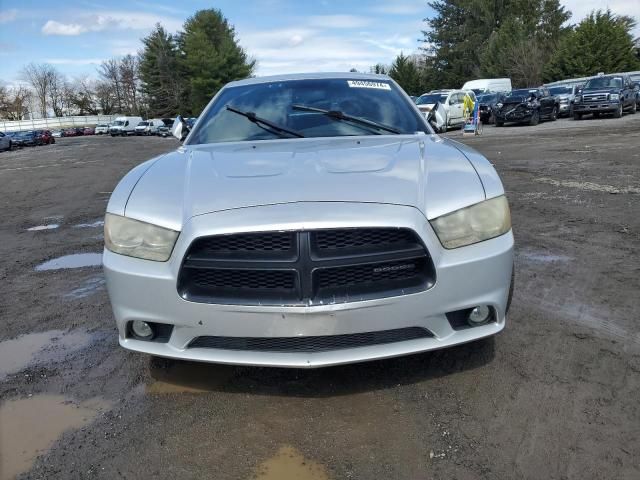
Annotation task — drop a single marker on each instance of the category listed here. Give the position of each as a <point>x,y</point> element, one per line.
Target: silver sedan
<point>308,220</point>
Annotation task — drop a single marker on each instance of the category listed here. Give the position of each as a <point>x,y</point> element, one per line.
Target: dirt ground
<point>555,396</point>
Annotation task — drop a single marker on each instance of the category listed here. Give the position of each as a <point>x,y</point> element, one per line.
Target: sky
<point>282,35</point>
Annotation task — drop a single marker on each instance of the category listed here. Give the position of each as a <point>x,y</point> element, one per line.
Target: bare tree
<point>14,102</point>
<point>109,70</point>
<point>40,77</point>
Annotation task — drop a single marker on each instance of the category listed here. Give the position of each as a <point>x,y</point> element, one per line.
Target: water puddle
<point>544,257</point>
<point>76,260</point>
<point>289,464</point>
<point>37,228</point>
<point>88,288</point>
<point>43,347</point>
<point>30,426</point>
<point>187,377</point>
<point>94,224</point>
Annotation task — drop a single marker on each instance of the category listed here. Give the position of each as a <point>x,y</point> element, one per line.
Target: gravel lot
<point>555,396</point>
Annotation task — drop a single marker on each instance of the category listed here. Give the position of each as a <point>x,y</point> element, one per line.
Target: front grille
<point>595,97</point>
<point>311,344</point>
<point>305,267</point>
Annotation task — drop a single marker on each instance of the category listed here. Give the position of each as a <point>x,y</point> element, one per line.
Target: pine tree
<point>211,57</point>
<point>602,42</point>
<point>406,73</point>
<point>160,73</point>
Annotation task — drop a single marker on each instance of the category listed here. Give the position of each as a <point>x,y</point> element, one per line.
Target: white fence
<point>55,122</point>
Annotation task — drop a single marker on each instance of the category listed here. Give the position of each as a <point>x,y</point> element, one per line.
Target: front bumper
<point>514,115</point>
<point>466,277</point>
<point>600,107</point>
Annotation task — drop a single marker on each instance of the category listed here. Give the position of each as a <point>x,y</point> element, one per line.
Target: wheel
<point>53,141</point>
<point>535,118</point>
<point>577,116</point>
<point>634,108</point>
<point>554,114</point>
<point>618,112</point>
<point>499,123</point>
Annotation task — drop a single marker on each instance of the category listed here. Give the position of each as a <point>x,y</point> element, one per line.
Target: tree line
<point>528,41</point>
<point>173,73</point>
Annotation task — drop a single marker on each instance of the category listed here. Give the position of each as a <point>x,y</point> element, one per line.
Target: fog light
<point>479,315</point>
<point>142,329</point>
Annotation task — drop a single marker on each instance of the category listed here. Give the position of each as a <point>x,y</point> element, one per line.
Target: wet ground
<point>555,396</point>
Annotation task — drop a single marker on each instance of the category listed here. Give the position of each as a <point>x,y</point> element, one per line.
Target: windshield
<point>101,125</point>
<point>280,102</point>
<point>143,124</point>
<point>431,98</point>
<point>560,90</point>
<point>604,82</point>
<point>487,97</point>
<point>118,123</point>
<point>524,92</point>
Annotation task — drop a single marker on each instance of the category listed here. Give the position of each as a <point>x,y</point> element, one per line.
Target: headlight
<point>473,224</point>
<point>138,239</point>
<point>499,105</point>
<point>578,99</point>
<point>614,96</point>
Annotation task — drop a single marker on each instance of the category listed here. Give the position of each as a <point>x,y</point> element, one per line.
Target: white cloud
<point>338,21</point>
<point>109,20</point>
<point>581,8</point>
<point>56,28</point>
<point>7,16</point>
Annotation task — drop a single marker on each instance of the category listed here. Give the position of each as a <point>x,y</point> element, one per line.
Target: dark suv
<point>605,94</point>
<point>527,105</point>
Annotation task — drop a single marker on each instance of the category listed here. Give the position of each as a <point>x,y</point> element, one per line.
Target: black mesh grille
<point>311,344</point>
<point>248,279</point>
<point>367,274</point>
<point>361,237</point>
<point>305,268</point>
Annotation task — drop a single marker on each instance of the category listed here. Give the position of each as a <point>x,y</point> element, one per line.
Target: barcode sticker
<point>368,84</point>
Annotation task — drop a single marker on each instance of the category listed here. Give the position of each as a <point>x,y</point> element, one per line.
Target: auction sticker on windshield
<point>367,84</point>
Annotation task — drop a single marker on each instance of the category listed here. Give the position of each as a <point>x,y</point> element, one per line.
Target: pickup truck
<point>609,94</point>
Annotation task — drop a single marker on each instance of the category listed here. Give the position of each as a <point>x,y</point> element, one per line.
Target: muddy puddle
<point>88,288</point>
<point>290,464</point>
<point>30,426</point>
<point>38,228</point>
<point>543,257</point>
<point>95,224</point>
<point>187,377</point>
<point>37,348</point>
<point>76,260</point>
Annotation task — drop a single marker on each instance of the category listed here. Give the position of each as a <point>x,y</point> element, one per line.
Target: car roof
<point>310,76</point>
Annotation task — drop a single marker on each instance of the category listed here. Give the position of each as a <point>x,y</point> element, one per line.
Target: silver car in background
<point>308,220</point>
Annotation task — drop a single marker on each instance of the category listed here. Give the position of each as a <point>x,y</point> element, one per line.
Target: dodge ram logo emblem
<point>394,268</point>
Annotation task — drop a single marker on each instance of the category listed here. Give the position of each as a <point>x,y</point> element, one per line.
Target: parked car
<point>69,132</point>
<point>6,142</point>
<point>88,131</point>
<point>488,85</point>
<point>452,102</point>
<point>79,131</point>
<point>29,138</point>
<point>141,128</point>
<point>314,237</point>
<point>527,105</point>
<point>101,129</point>
<point>45,137</point>
<point>487,105</point>
<point>609,94</point>
<point>566,95</point>
<point>124,126</point>
<point>164,130</point>
<point>56,133</point>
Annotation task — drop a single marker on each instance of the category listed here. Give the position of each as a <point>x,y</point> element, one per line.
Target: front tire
<point>618,112</point>
<point>535,118</point>
<point>554,114</point>
<point>634,108</point>
<point>499,123</point>
<point>577,116</point>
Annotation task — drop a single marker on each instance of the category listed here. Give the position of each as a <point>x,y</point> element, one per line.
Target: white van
<point>485,85</point>
<point>124,126</point>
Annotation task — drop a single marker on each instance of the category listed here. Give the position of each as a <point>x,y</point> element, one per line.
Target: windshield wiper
<point>338,115</point>
<point>258,120</point>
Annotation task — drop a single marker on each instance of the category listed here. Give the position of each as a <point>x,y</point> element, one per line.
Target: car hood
<point>421,171</point>
<point>600,90</point>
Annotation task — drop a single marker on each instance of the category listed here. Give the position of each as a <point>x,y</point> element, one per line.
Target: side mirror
<point>180,129</point>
